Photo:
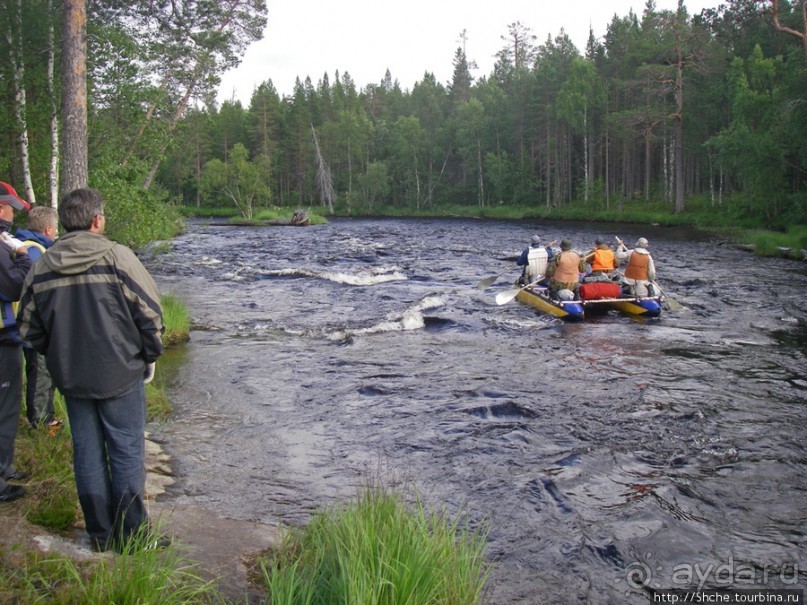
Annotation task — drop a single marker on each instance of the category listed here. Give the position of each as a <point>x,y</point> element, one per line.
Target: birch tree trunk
<point>53,173</point>
<point>14,40</point>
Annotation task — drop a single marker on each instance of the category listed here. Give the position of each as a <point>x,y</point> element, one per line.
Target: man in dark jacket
<point>94,311</point>
<point>14,266</point>
<point>38,236</point>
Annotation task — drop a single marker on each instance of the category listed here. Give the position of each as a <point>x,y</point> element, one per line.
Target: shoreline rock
<point>222,547</point>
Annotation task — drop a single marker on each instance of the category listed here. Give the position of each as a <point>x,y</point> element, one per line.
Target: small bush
<point>134,217</point>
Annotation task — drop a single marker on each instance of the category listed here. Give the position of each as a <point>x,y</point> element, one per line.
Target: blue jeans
<point>109,463</point>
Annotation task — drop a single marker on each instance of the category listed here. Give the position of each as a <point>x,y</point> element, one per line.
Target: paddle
<point>672,304</point>
<point>502,298</point>
<point>488,281</point>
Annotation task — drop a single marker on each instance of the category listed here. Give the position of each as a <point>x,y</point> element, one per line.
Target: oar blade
<point>487,282</point>
<point>670,304</point>
<point>673,304</point>
<point>502,298</point>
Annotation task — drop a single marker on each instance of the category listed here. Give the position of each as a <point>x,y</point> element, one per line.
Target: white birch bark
<point>54,113</point>
<point>14,40</point>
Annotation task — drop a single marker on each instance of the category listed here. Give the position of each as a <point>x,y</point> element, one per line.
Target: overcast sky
<point>409,37</point>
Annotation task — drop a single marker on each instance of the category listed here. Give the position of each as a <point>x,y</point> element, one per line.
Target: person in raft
<point>640,271</point>
<point>603,262</point>
<point>534,261</point>
<point>564,272</point>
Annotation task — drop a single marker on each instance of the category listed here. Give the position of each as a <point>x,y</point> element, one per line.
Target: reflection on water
<point>594,452</point>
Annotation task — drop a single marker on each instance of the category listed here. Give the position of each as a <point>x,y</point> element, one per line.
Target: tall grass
<point>142,577</point>
<point>47,453</point>
<point>176,320</point>
<point>378,551</point>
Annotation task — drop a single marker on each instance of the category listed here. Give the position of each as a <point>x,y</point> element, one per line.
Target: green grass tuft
<point>176,320</point>
<point>47,453</point>
<point>147,577</point>
<point>378,551</point>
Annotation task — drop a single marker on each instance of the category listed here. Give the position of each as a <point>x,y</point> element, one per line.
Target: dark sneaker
<point>17,476</point>
<point>97,545</point>
<point>143,542</point>
<point>12,492</point>
<point>157,542</point>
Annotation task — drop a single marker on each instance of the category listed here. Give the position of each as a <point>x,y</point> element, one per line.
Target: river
<point>608,459</point>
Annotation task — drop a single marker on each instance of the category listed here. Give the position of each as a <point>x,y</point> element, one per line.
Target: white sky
<point>408,37</point>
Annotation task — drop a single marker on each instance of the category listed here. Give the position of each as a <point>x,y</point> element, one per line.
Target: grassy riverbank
<point>380,541</point>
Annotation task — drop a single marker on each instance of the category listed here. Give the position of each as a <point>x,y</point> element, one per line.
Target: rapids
<point>606,459</point>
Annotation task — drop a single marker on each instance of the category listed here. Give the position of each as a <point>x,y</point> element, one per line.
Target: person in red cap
<point>14,266</point>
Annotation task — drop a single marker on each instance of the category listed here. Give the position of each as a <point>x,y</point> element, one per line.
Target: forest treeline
<point>665,107</point>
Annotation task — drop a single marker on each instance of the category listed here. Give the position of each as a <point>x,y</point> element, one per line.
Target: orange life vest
<point>568,267</point>
<point>637,266</point>
<point>603,260</point>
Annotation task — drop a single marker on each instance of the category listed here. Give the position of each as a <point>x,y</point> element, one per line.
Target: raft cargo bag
<point>599,290</point>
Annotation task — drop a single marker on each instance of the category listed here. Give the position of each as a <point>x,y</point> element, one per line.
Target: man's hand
<point>149,375</point>
<point>12,242</point>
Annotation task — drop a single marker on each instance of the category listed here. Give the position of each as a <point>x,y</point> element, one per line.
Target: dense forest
<point>665,107</point>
